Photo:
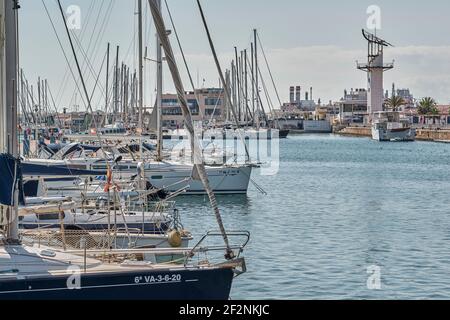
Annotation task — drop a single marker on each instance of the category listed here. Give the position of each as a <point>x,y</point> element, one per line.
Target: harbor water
<point>337,208</point>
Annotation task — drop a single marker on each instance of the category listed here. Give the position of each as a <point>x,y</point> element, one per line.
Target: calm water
<point>338,206</point>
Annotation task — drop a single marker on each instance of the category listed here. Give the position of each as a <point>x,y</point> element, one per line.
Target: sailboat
<point>39,273</point>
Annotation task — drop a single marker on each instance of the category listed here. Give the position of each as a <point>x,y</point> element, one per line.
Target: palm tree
<point>395,102</point>
<point>426,106</point>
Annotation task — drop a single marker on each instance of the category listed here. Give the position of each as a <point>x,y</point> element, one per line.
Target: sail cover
<point>10,178</point>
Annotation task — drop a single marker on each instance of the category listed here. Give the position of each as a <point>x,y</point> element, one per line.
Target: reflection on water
<point>337,207</point>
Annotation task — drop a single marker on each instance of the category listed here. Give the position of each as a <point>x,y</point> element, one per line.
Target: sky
<point>308,43</point>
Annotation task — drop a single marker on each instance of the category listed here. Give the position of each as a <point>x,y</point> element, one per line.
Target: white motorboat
<point>390,126</point>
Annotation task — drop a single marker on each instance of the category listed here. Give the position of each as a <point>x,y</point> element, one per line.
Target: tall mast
<point>107,84</point>
<point>159,91</point>
<point>8,103</point>
<point>233,77</point>
<point>238,84</point>
<point>253,82</point>
<point>141,69</point>
<point>116,85</point>
<point>258,123</point>
<point>246,87</point>
<point>227,104</point>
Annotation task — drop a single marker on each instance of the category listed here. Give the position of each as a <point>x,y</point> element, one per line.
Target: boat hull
<point>169,176</point>
<point>385,135</point>
<point>196,284</point>
<point>222,180</point>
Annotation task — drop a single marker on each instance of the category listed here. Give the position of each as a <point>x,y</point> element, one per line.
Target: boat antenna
<point>199,166</point>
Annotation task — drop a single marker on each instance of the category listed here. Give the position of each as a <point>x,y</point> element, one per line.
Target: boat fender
<point>175,240</point>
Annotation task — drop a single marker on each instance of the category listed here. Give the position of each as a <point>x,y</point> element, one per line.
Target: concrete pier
<point>356,132</point>
<point>422,134</point>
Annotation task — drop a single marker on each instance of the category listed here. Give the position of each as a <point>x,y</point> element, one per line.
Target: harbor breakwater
<point>422,134</point>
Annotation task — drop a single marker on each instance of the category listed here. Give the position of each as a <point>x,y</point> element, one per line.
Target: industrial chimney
<point>292,95</point>
<point>298,92</point>
<point>311,93</point>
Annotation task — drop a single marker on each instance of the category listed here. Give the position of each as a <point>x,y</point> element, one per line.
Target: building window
<point>213,102</point>
<point>170,102</point>
<point>215,112</point>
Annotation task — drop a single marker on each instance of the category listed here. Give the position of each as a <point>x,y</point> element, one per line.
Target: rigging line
<point>268,98</point>
<point>97,43</point>
<point>270,71</point>
<point>96,83</point>
<point>29,95</point>
<point>266,93</point>
<point>88,62</point>
<point>82,79</point>
<point>54,106</point>
<point>258,94</point>
<point>241,87</point>
<point>65,83</point>
<point>66,73</point>
<point>184,58</point>
<point>62,48</point>
<point>222,78</point>
<point>135,51</point>
<point>215,107</point>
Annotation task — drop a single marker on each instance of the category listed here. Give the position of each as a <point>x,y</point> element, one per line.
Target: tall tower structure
<point>292,94</point>
<point>375,68</point>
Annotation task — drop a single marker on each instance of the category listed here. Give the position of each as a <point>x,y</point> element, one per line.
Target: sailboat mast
<point>116,85</point>
<point>258,122</point>
<point>238,85</point>
<point>246,87</point>
<point>159,91</point>
<point>107,85</point>
<point>141,69</point>
<point>8,108</point>
<point>253,82</point>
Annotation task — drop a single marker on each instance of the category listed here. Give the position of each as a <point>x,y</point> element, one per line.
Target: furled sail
<point>10,180</point>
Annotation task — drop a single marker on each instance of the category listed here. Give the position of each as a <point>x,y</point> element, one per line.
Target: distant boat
<point>389,126</point>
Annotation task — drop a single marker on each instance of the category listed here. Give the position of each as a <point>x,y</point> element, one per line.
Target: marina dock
<point>431,135</point>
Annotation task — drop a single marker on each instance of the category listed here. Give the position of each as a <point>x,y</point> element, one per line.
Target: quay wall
<point>422,134</point>
<point>433,135</point>
<point>356,131</point>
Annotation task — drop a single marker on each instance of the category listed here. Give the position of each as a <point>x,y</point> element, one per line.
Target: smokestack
<point>311,93</point>
<point>298,92</point>
<point>306,96</point>
<point>292,95</point>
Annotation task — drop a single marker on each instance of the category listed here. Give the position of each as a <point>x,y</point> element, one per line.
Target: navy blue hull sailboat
<point>212,284</point>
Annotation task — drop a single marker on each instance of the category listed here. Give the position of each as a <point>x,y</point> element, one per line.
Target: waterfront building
<point>408,97</point>
<point>440,120</point>
<point>353,106</point>
<point>206,105</point>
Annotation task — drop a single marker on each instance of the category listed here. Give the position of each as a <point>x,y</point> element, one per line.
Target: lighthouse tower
<point>375,68</point>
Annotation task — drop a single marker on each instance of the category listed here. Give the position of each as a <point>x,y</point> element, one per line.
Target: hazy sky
<point>308,43</point>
